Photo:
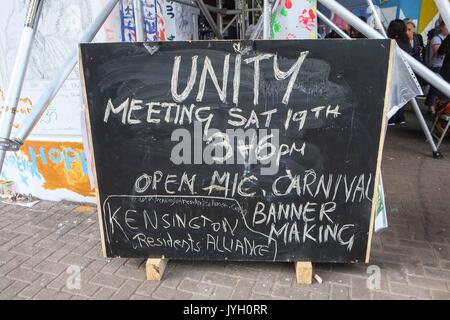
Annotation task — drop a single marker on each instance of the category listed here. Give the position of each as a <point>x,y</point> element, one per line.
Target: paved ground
<point>41,247</point>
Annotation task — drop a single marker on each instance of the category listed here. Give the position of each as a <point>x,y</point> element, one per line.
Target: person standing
<point>436,63</point>
<point>397,31</point>
<point>354,33</point>
<point>444,50</point>
<point>415,40</point>
<point>341,24</point>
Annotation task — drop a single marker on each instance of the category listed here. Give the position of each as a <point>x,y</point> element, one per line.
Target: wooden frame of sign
<point>308,118</point>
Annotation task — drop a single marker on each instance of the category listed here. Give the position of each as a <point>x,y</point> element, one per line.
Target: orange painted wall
<point>49,166</point>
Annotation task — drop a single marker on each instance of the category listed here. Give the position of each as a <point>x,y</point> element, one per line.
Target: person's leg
<point>432,94</point>
<point>400,116</point>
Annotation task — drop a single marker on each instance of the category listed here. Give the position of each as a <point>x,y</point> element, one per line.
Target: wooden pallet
<point>155,269</point>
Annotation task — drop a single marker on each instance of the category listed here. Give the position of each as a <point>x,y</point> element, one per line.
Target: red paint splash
<point>290,36</point>
<point>307,19</point>
<point>288,4</point>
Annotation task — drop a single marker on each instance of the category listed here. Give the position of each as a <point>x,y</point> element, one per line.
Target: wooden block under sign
<point>303,272</point>
<point>155,268</point>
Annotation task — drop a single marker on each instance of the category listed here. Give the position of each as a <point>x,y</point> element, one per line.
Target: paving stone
<point>256,296</point>
<point>164,293</point>
<point>138,297</point>
<point>4,283</point>
<point>221,293</point>
<point>126,290</point>
<point>194,286</point>
<point>131,273</point>
<point>220,279</point>
<point>75,259</point>
<point>12,290</point>
<point>410,291</point>
<point>440,295</point>
<point>50,267</point>
<point>35,287</point>
<point>359,290</point>
<point>339,292</point>
<point>103,294</point>
<point>291,293</point>
<point>106,280</point>
<point>48,294</point>
<point>147,288</point>
<point>23,275</point>
<point>428,283</point>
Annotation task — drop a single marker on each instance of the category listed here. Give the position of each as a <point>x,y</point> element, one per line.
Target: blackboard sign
<point>237,150</point>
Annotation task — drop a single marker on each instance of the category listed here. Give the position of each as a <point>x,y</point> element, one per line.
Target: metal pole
<point>259,24</point>
<point>266,17</point>
<point>253,12</point>
<point>219,17</point>
<point>367,30</point>
<point>417,66</point>
<point>209,18</point>
<point>257,29</point>
<point>138,21</point>
<point>330,23</point>
<point>377,18</point>
<point>444,10</point>
<point>423,124</point>
<point>17,77</point>
<point>62,74</point>
<point>243,24</point>
<point>194,5</point>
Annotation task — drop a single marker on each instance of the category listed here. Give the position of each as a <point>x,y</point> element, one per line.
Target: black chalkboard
<point>225,150</point>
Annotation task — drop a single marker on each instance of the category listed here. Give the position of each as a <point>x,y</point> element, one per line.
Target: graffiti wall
<point>53,164</point>
<point>50,170</point>
<point>163,20</point>
<point>295,19</point>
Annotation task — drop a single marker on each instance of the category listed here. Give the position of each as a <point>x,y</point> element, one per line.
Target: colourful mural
<point>52,164</point>
<point>428,16</point>
<point>163,20</point>
<point>295,19</point>
<point>150,21</point>
<point>128,27</point>
<point>50,169</point>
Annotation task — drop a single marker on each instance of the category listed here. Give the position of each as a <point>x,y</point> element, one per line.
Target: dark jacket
<point>445,49</point>
<point>418,47</point>
<point>445,70</point>
<point>405,45</point>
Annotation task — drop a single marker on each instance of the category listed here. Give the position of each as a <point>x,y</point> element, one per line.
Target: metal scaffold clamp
<point>10,144</point>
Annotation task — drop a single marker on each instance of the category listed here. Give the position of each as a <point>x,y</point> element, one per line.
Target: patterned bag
<point>442,107</point>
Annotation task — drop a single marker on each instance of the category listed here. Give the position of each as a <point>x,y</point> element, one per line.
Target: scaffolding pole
<point>330,23</point>
<point>138,20</point>
<point>444,9</point>
<point>377,19</point>
<point>259,24</point>
<point>17,77</point>
<point>266,19</point>
<point>61,75</point>
<point>219,17</point>
<point>209,18</point>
